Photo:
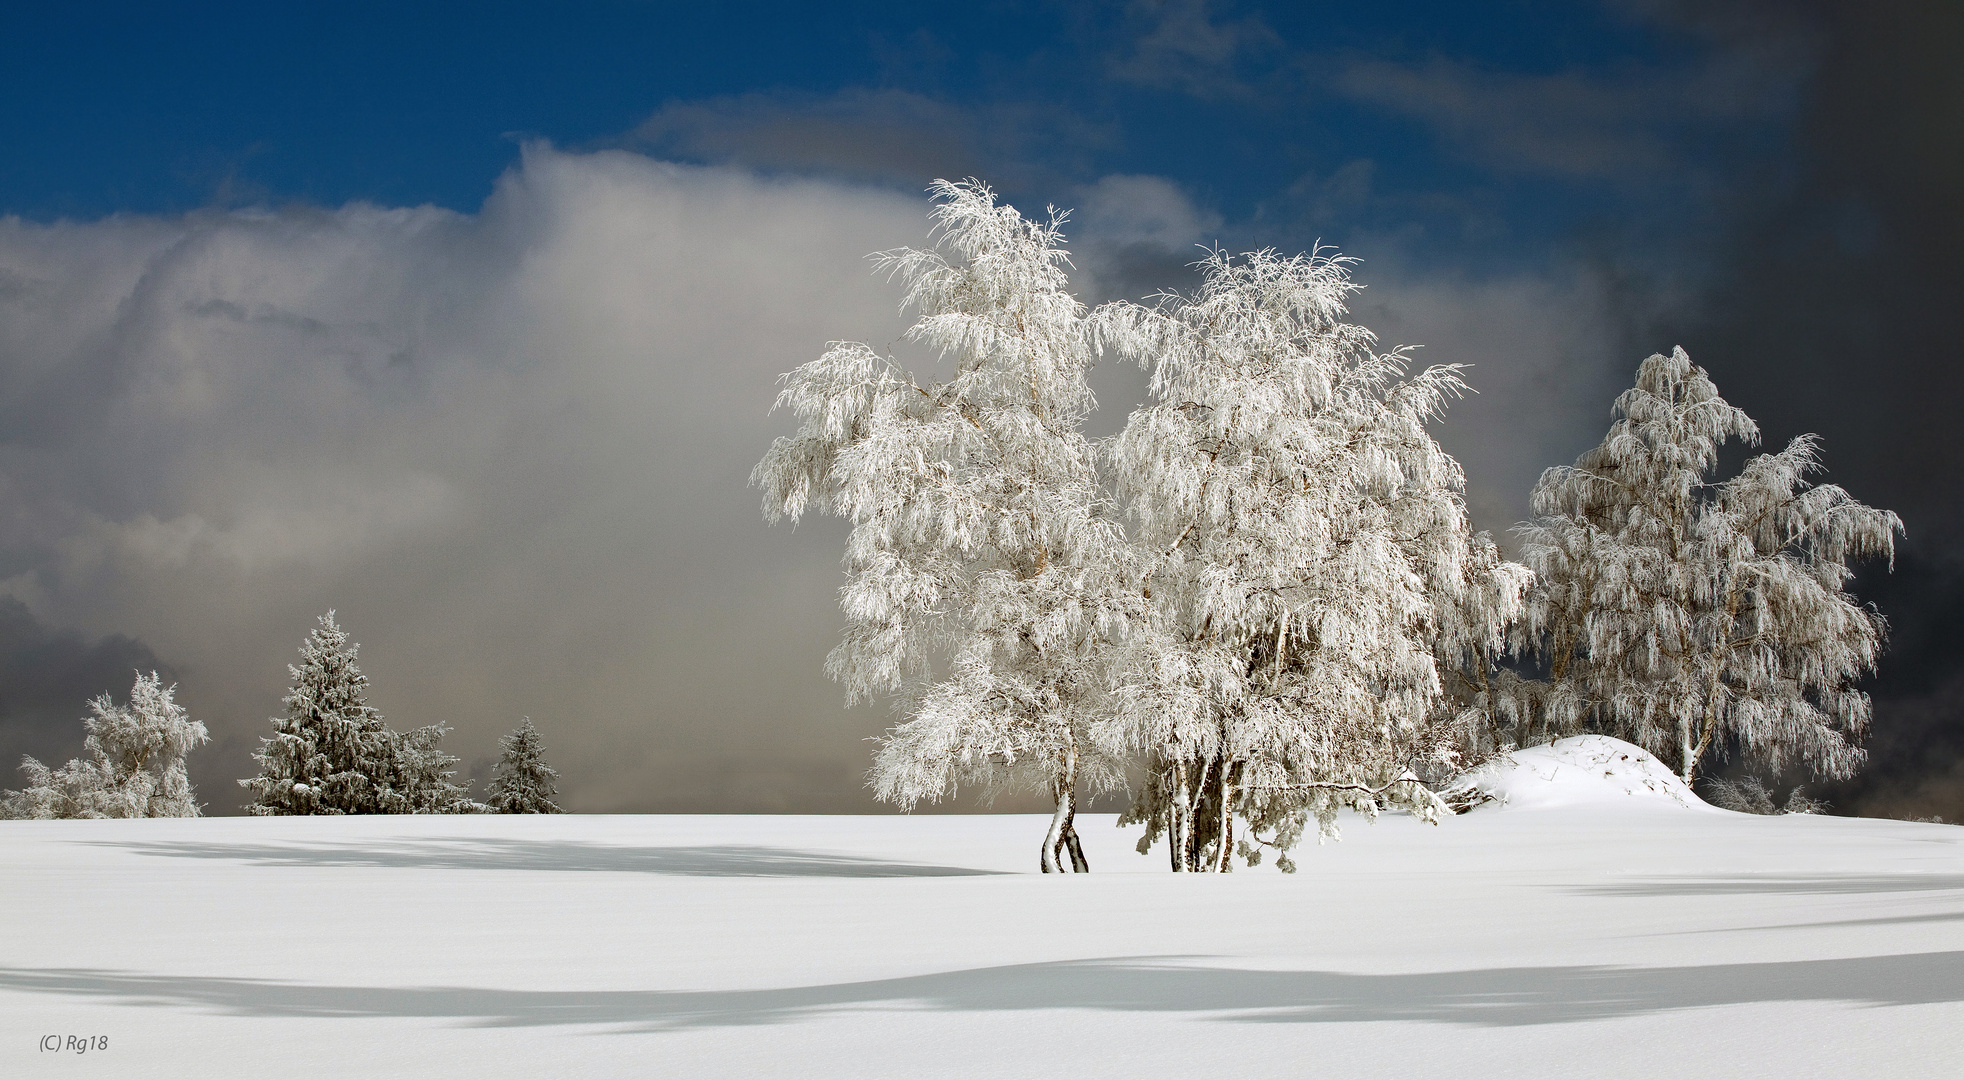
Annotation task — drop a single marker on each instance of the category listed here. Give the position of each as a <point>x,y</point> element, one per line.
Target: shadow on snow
<point>1762,884</point>
<point>724,860</point>
<point>1491,997</point>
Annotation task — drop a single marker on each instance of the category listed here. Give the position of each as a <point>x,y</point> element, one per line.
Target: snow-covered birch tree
<point>1305,555</point>
<point>523,782</point>
<point>1691,616</point>
<point>985,569</point>
<point>332,754</point>
<point>134,766</point>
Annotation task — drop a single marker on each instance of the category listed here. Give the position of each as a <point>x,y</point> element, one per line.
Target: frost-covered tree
<point>1748,795</point>
<point>1691,616</point>
<point>332,753</point>
<point>1482,624</point>
<point>523,783</point>
<point>985,570</point>
<point>426,774</point>
<point>1306,559</point>
<point>135,765</point>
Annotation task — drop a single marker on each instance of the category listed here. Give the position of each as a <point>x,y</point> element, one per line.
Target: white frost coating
<point>1301,622</point>
<point>1694,616</point>
<point>1312,580</point>
<point>135,765</point>
<point>1584,770</point>
<point>984,568</point>
<point>332,754</point>
<point>523,783</point>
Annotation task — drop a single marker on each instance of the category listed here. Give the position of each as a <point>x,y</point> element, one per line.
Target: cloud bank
<point>510,449</point>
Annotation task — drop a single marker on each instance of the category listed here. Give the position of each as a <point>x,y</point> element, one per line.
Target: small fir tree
<point>331,752</point>
<point>135,765</point>
<point>1689,616</point>
<point>425,774</point>
<point>523,783</point>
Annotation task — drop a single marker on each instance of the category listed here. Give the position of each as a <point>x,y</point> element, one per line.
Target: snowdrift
<point>1585,770</point>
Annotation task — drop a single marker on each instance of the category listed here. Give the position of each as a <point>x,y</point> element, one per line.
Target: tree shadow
<point>1758,884</point>
<point>1886,920</point>
<point>720,860</point>
<point>1491,997</point>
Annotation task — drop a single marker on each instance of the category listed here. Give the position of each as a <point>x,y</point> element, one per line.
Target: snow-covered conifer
<point>331,752</point>
<point>524,783</point>
<point>135,765</point>
<point>425,773</point>
<point>1306,556</point>
<point>985,567</point>
<point>1689,616</point>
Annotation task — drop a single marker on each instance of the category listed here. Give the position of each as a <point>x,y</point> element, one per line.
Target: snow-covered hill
<point>1585,770</point>
<point>1551,935</point>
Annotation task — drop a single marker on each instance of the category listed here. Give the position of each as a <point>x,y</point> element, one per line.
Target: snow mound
<point>1585,770</point>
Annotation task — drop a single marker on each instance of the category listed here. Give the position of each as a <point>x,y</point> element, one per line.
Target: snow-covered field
<point>1590,926</point>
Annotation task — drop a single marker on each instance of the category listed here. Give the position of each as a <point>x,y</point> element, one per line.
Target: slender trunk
<point>1176,818</point>
<point>1223,854</point>
<point>1060,819</point>
<point>1079,864</point>
<point>1713,685</point>
<point>1695,750</point>
<point>1054,838</point>
<point>1686,755</point>
<point>1190,847</point>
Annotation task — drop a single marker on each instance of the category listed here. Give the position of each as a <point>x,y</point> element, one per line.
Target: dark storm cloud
<point>1630,126</point>
<point>1838,307</point>
<point>1835,308</point>
<point>1916,766</point>
<point>46,680</point>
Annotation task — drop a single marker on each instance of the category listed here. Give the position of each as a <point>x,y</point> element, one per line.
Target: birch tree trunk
<point>1061,836</point>
<point>1177,819</point>
<point>1224,849</point>
<point>1079,864</point>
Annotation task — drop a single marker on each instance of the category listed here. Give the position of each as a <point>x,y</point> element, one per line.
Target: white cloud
<point>1543,365</point>
<point>509,447</point>
<point>1153,210</point>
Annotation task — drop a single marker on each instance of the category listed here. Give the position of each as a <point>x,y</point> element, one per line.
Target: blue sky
<point>463,319</point>
<point>1251,109</point>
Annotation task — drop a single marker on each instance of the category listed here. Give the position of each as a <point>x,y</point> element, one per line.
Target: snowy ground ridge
<point>1583,770</point>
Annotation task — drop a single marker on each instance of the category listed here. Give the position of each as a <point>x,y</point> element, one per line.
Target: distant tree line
<point>331,753</point>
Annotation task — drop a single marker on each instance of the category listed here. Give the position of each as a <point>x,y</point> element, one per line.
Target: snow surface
<point>1594,937</point>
